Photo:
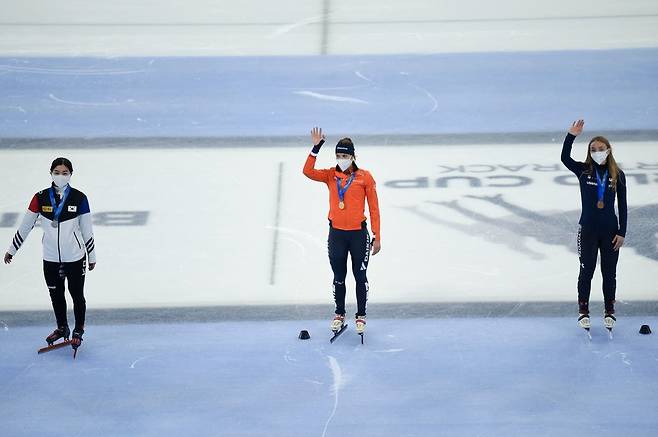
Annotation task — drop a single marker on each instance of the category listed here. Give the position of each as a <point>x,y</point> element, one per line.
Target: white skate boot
<point>360,324</point>
<point>337,322</point>
<point>584,322</point>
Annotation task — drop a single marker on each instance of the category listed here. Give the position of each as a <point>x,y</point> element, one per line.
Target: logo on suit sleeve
<point>73,208</point>
<point>47,208</point>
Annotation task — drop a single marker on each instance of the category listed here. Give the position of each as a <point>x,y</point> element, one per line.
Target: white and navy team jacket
<point>73,236</point>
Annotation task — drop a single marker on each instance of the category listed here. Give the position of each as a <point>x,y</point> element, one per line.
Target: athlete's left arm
<point>84,219</point>
<point>373,207</point>
<point>622,205</point>
<point>26,226</point>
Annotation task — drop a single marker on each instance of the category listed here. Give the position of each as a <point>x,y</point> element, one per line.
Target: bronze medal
<point>600,204</point>
<point>341,205</point>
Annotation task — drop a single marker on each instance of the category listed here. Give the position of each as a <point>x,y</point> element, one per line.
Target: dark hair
<point>346,142</point>
<point>61,161</point>
<point>345,145</point>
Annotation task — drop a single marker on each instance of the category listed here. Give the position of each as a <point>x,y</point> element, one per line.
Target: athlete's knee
<point>587,271</point>
<point>609,280</point>
<point>339,281</point>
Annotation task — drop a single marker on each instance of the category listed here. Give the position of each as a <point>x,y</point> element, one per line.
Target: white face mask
<point>61,180</point>
<point>600,157</point>
<point>344,164</point>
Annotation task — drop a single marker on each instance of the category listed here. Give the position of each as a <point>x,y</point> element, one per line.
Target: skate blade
<point>589,334</point>
<point>337,333</point>
<point>54,346</point>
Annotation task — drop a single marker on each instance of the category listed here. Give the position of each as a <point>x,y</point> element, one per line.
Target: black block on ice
<point>304,335</point>
<point>645,329</point>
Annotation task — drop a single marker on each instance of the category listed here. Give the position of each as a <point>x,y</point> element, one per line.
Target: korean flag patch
<point>73,209</point>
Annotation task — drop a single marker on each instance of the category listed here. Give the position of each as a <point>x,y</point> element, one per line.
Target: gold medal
<point>342,190</point>
<point>600,204</point>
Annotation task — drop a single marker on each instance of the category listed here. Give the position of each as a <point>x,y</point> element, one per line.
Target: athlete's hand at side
<point>617,242</point>
<point>317,136</point>
<point>376,246</point>
<point>8,258</point>
<point>92,266</point>
<point>577,127</point>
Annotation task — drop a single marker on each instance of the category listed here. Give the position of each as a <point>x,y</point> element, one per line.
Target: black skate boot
<point>76,339</point>
<point>61,332</point>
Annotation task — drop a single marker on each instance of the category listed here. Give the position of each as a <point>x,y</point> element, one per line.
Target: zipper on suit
<point>78,241</point>
<point>59,249</point>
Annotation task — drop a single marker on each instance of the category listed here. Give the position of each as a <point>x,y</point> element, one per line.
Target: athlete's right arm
<point>317,137</point>
<point>26,226</point>
<point>573,165</point>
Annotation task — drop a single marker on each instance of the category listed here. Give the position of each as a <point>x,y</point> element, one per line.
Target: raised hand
<point>577,127</point>
<point>8,258</point>
<point>317,135</point>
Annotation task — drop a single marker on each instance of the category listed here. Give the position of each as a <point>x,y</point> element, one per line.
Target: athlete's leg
<point>588,247</point>
<point>360,254</point>
<point>338,246</point>
<point>609,258</point>
<point>75,276</point>
<point>55,282</point>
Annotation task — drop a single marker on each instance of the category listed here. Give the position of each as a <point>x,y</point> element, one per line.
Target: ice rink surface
<point>268,97</point>
<point>412,377</point>
<point>187,125</point>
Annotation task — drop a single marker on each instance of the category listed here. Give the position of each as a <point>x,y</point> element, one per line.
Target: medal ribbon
<point>601,183</point>
<point>342,191</point>
<point>58,211</point>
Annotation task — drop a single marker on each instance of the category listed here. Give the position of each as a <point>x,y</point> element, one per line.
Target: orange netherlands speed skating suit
<point>348,232</point>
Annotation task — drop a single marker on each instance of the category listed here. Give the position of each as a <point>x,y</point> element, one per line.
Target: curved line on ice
<point>331,97</point>
<point>362,76</point>
<point>337,375</point>
<point>70,102</point>
<point>132,366</point>
<point>435,102</point>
